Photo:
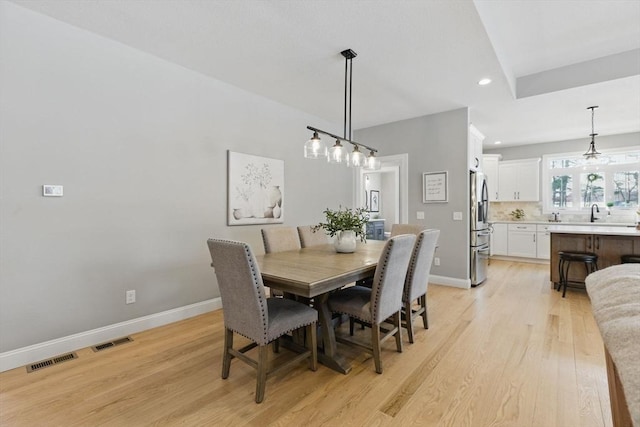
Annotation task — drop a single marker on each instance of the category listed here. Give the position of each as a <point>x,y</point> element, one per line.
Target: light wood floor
<point>511,352</point>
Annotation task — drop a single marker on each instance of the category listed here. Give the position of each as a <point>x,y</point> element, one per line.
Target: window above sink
<point>572,186</point>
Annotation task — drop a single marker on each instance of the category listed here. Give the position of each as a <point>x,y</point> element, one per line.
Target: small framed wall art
<point>435,187</point>
<point>374,201</point>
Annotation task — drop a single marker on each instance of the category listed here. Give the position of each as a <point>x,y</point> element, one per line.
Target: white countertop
<point>571,224</point>
<point>595,229</point>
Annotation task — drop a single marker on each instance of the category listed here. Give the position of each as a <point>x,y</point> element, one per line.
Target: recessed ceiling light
<point>484,82</point>
<point>498,142</point>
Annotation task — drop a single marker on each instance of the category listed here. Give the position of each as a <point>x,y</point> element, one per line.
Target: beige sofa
<point>615,298</point>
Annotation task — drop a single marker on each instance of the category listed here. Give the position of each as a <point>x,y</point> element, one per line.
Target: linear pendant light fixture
<point>592,154</point>
<point>316,149</point>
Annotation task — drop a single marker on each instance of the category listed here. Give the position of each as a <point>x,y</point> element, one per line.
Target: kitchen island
<point>608,242</point>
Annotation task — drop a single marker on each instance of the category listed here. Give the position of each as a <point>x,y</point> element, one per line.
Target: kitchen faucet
<point>593,218</point>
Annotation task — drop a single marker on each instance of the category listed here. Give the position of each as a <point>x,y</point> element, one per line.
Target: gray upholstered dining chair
<point>279,239</point>
<point>417,280</point>
<point>248,312</point>
<point>398,229</point>
<point>308,237</point>
<point>374,305</point>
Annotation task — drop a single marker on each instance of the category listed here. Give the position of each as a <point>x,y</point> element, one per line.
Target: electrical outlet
<point>457,216</point>
<point>52,190</point>
<point>131,297</point>
<point>420,215</point>
<point>436,261</point>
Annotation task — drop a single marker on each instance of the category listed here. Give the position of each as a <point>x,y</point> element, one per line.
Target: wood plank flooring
<point>511,352</point>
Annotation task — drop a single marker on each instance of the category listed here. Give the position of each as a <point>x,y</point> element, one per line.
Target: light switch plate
<point>457,216</point>
<point>52,190</point>
<point>419,215</point>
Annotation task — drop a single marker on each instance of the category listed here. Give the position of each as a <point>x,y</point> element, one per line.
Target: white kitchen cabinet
<point>543,242</point>
<point>490,164</point>
<point>499,239</point>
<point>475,148</point>
<point>522,240</point>
<point>519,180</point>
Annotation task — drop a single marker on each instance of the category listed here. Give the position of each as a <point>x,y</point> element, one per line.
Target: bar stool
<point>589,259</point>
<point>627,259</point>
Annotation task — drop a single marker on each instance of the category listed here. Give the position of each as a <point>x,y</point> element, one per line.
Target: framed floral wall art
<point>374,201</point>
<point>255,190</point>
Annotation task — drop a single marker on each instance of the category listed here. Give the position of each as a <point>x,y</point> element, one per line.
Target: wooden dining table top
<point>315,270</point>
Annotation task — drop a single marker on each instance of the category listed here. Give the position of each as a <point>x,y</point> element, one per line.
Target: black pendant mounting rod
<point>348,69</point>
<point>348,84</point>
<point>592,114</point>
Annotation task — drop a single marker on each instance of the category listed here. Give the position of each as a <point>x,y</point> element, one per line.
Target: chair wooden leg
<point>375,343</point>
<point>276,345</point>
<point>425,316</point>
<point>408,318</point>
<point>313,345</point>
<point>351,322</point>
<point>397,320</point>
<point>226,356</point>
<point>262,373</point>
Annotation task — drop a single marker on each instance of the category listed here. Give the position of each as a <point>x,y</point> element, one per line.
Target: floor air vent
<point>111,343</point>
<point>50,362</point>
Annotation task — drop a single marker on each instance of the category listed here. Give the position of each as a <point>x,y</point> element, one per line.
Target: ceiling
<point>549,60</point>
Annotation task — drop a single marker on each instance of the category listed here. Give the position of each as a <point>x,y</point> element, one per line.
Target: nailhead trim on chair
<point>263,308</point>
<point>412,263</point>
<point>262,301</point>
<point>383,271</point>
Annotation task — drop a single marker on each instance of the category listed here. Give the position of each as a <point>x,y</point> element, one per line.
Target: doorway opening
<point>384,193</point>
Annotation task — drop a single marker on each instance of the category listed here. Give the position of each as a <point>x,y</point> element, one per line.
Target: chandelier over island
<point>315,148</point>
<point>591,156</point>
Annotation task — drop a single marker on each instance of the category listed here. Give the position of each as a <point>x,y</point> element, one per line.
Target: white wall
<point>140,146</point>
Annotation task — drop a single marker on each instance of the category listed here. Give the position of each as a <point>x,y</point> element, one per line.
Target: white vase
<point>259,202</point>
<point>275,196</point>
<point>345,241</point>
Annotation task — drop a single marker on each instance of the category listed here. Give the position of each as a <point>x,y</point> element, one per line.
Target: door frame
<point>398,163</point>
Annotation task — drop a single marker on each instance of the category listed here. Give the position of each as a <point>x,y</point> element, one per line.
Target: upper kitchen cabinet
<point>475,148</point>
<point>490,164</point>
<point>519,180</point>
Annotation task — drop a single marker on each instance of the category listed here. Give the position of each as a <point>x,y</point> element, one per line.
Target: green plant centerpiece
<point>345,224</point>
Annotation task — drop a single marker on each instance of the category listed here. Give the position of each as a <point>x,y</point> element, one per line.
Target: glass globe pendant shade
<point>356,159</point>
<point>337,153</point>
<point>315,148</point>
<point>592,154</point>
<point>372,163</point>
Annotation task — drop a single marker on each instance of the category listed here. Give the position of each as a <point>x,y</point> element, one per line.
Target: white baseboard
<point>450,281</point>
<point>519,259</point>
<point>34,353</point>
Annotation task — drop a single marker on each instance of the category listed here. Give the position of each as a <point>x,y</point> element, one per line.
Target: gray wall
<point>568,146</point>
<point>140,146</point>
<point>436,142</point>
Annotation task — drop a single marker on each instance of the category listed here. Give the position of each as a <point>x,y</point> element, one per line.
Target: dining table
<point>314,272</point>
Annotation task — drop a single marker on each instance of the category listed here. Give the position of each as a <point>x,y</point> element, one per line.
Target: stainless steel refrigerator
<point>480,232</point>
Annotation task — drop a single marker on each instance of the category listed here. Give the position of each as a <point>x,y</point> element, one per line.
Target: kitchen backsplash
<point>500,211</point>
